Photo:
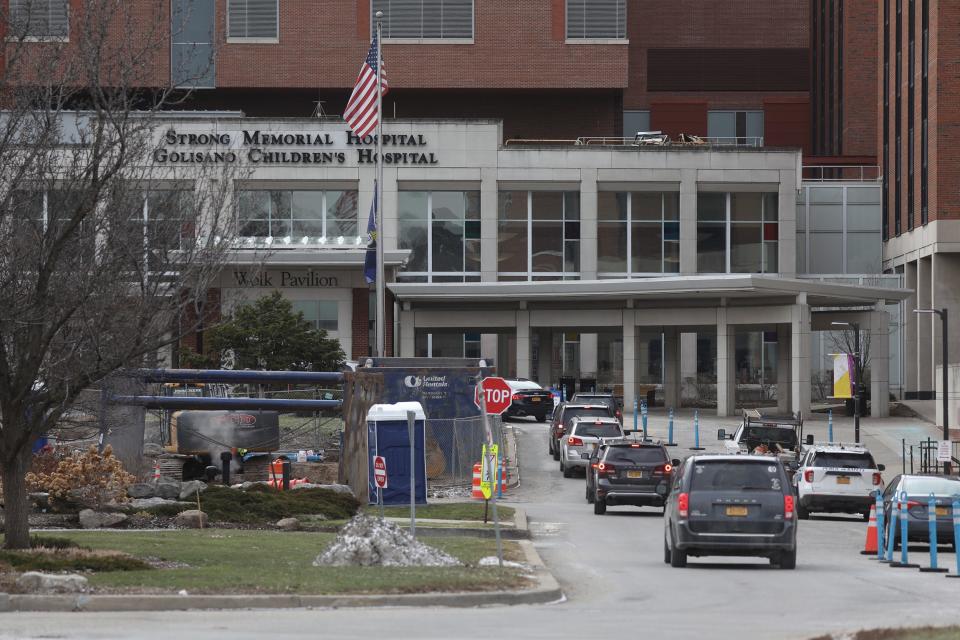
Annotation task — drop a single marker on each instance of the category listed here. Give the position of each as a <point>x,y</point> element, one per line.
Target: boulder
<point>288,524</point>
<point>141,490</point>
<point>191,519</point>
<point>90,519</point>
<point>138,504</point>
<point>190,488</point>
<point>57,583</point>
<point>339,488</point>
<point>168,490</point>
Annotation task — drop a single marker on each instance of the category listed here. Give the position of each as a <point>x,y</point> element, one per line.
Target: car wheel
<point>666,549</point>
<point>556,452</point>
<point>802,513</point>
<point>589,495</point>
<point>599,506</point>
<point>549,445</point>
<point>787,559</point>
<point>678,558</point>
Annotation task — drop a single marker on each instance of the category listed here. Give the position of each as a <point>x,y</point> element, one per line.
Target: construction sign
<point>488,469</point>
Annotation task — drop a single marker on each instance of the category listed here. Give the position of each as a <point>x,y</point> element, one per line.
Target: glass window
<point>170,223</point>
<point>745,241</point>
<point>321,314</point>
<point>253,18</point>
<point>826,253</point>
<point>601,19</point>
<point>305,217</point>
<point>634,122</point>
<point>538,235</point>
<point>442,231</point>
<point>419,19</point>
<point>191,38</point>
<point>39,18</point>
<point>864,252</point>
<point>736,127</point>
<point>653,240</point>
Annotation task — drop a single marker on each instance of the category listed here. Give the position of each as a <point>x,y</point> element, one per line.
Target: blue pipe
<point>932,520</point>
<point>670,429</point>
<point>179,402</point>
<point>881,539</point>
<point>892,528</point>
<point>227,375</point>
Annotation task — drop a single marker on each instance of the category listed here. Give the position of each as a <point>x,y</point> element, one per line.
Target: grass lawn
<point>924,633</point>
<point>445,511</point>
<point>232,561</point>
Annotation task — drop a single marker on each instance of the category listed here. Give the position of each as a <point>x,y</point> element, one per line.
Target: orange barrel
<point>477,493</point>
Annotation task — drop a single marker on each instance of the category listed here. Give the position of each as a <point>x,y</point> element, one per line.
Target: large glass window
<point>839,230</point>
<point>642,225</point>
<point>736,127</point>
<point>596,19</point>
<point>321,314</point>
<point>192,62</point>
<point>166,221</point>
<point>442,231</point>
<point>737,233</point>
<point>298,217</point>
<point>635,122</point>
<point>39,19</point>
<point>425,19</point>
<point>447,345</point>
<point>538,235</point>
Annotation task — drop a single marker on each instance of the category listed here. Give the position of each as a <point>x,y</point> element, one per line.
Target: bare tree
<point>105,255</point>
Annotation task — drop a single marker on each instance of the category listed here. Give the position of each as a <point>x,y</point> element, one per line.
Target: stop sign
<point>497,394</point>
<point>380,471</point>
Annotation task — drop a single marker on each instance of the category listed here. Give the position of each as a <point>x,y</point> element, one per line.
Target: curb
<point>547,591</point>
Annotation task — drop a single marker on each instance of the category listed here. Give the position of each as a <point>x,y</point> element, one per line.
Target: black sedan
<point>529,399</point>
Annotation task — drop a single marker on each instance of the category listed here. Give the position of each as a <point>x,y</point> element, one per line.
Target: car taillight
<point>683,504</point>
<point>787,507</point>
<point>808,475</point>
<point>606,469</point>
<point>913,503</point>
<point>877,480</point>
<point>516,397</point>
<point>574,441</point>
<point>663,469</point>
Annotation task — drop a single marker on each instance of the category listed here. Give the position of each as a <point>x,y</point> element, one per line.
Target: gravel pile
<point>367,541</point>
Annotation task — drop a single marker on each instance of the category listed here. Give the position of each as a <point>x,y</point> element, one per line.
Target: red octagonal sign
<point>498,395</point>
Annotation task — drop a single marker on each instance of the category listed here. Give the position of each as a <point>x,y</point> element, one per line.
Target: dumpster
<point>387,436</point>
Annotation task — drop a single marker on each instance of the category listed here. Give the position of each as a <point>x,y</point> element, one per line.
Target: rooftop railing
<point>641,139</point>
<point>841,173</point>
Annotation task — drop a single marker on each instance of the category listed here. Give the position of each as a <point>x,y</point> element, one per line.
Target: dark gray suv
<point>731,505</point>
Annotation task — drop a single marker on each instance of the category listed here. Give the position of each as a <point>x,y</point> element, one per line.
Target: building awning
<point>674,290</point>
<point>312,257</point>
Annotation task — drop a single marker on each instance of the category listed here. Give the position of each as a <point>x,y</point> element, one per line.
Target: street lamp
<point>946,377</point>
<point>856,373</point>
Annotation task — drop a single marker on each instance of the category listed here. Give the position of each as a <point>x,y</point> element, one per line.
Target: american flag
<point>361,112</point>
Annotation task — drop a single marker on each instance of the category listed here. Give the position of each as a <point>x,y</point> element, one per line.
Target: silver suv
<point>578,443</point>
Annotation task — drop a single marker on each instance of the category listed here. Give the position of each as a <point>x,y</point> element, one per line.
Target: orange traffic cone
<point>870,546</point>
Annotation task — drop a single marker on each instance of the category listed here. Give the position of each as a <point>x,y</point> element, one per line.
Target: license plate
<point>943,511</point>
<point>843,480</point>
<point>737,511</point>
<point>536,399</point>
<point>634,474</point>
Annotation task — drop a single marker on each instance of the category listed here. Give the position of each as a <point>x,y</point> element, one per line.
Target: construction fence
<point>454,446</point>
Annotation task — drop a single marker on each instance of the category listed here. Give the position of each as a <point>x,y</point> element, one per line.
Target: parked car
<point>601,398</point>
<point>836,478</point>
<point>584,433</point>
<point>529,399</point>
<point>730,505</point>
<point>567,412</point>
<point>917,490</point>
<point>629,473</point>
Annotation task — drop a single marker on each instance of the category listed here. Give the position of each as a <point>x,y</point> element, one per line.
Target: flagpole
<point>378,187</point>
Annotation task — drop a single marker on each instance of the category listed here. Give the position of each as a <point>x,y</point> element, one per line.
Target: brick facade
<point>193,322</point>
<point>361,323</point>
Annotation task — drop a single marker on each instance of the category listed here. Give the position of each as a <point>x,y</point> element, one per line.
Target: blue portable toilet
<point>388,436</point>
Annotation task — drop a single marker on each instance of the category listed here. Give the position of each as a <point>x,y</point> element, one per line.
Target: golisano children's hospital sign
<point>255,146</point>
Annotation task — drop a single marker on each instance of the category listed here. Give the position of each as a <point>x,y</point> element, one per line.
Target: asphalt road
<point>611,568</point>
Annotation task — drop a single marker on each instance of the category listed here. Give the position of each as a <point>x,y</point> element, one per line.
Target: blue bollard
<point>932,519</point>
<point>635,415</point>
<point>830,425</point>
<point>892,529</point>
<point>956,532</point>
<point>643,413</point>
<point>670,442</point>
<point>696,431</point>
<point>880,532</point>
<point>904,536</point>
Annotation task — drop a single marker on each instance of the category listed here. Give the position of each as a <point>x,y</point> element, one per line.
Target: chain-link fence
<point>454,446</point>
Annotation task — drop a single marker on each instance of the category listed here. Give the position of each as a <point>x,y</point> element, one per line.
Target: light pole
<point>856,373</point>
<point>946,375</point>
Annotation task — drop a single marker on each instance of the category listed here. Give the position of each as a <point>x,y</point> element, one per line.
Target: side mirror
<point>809,438</point>
<point>675,462</point>
<point>721,434</point>
<point>881,467</point>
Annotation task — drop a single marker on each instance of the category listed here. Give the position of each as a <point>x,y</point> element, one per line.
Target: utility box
<point>388,436</point>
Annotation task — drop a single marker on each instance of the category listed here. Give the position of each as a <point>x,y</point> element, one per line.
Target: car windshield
<point>602,430</point>
<point>583,412</point>
<point>844,460</point>
<point>726,475</point>
<point>934,485</point>
<point>635,455</point>
<point>786,438</point>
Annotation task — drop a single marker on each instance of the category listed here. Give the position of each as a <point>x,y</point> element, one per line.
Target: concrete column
<point>688,221</point>
<point>944,275</point>
<point>910,322</point>
<point>629,359</point>
<point>800,355</point>
<point>488,346</point>
<point>924,348</point>
<point>783,368</point>
<point>523,343</point>
<point>787,219</point>
<point>545,357</point>
<point>588,226</point>
<point>726,374</point>
<point>407,334</point>
<point>488,225</point>
<point>880,364</point>
<point>671,368</point>
<point>588,355</point>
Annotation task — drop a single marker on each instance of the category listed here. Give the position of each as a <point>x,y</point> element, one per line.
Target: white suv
<point>835,477</point>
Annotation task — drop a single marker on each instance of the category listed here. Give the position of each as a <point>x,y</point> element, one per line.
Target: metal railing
<point>642,139</point>
<point>841,173</point>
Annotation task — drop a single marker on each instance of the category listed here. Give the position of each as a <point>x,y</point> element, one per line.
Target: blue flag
<point>370,260</point>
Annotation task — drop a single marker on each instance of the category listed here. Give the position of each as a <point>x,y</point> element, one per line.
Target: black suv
<point>629,473</point>
<point>566,412</point>
<point>731,505</point>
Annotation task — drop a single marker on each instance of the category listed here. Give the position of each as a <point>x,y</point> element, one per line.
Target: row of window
<point>725,126</point>
<point>414,19</point>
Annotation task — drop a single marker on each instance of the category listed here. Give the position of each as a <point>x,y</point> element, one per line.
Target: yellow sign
<point>488,470</point>
<point>843,377</point>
